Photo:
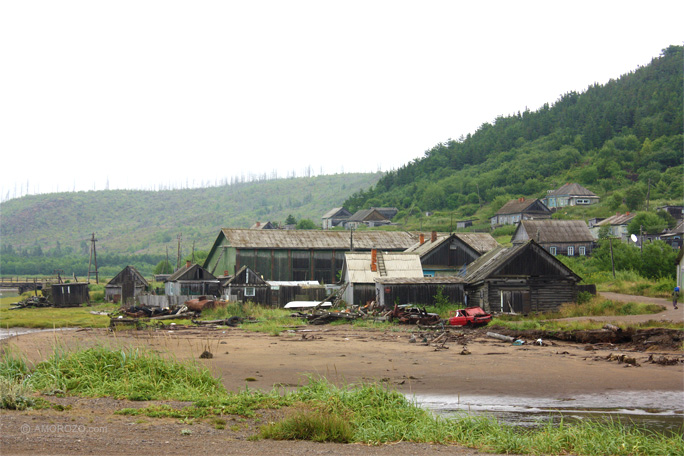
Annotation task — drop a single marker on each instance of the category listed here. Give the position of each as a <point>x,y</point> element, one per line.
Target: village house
<point>520,279</point>
<point>362,268</point>
<point>521,209</point>
<point>570,195</point>
<point>246,285</point>
<point>263,226</point>
<point>674,236</point>
<point>421,291</point>
<point>335,217</point>
<point>297,255</point>
<point>368,217</point>
<point>192,279</point>
<point>446,254</point>
<point>388,212</point>
<point>126,285</point>
<point>558,237</point>
<point>617,225</point>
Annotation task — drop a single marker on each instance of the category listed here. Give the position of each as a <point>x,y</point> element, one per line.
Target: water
<point>661,411</point>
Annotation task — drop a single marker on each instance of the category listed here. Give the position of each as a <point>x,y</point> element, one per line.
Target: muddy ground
<point>468,362</point>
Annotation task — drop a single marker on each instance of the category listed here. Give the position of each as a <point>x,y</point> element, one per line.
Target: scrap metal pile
<point>31,301</point>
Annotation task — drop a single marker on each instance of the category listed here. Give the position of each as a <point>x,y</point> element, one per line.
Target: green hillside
<point>132,226</point>
<point>612,139</point>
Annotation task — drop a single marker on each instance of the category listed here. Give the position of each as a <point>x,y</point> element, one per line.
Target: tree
<point>651,223</point>
<point>634,197</point>
<point>163,267</point>
<point>306,224</point>
<point>290,220</point>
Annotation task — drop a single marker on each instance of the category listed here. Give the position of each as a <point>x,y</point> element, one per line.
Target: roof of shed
<point>397,264</point>
<point>480,242</point>
<point>516,206</point>
<point>556,230</point>
<point>489,263</point>
<point>617,219</point>
<point>317,239</point>
<point>572,190</point>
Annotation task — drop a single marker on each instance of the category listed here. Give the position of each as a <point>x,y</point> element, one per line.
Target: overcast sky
<point>138,94</point>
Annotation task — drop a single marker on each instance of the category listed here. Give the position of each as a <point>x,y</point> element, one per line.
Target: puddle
<point>661,411</point>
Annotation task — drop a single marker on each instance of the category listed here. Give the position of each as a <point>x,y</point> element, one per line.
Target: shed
<point>420,290</point>
<point>521,209</point>
<point>559,237</point>
<point>127,284</point>
<point>523,278</point>
<point>362,268</point>
<point>192,279</point>
<point>246,285</point>
<point>298,254</point>
<point>446,254</point>
<point>70,294</point>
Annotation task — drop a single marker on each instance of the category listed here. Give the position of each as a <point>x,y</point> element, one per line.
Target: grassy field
<point>52,317</point>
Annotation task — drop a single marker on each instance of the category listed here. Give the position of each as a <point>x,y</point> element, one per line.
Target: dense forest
<point>622,138</point>
<point>42,233</point>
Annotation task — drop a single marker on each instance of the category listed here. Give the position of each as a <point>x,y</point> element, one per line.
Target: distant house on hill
<point>127,284</point>
<point>368,217</point>
<point>617,224</point>
<point>263,226</point>
<point>387,212</point>
<point>521,209</point>
<point>446,254</point>
<point>335,217</point>
<point>558,237</point>
<point>570,195</point>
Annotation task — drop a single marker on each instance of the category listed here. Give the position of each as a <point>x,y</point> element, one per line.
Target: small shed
<point>246,285</point>
<point>420,291</point>
<point>127,284</point>
<point>362,268</point>
<point>192,279</point>
<point>70,294</point>
<point>523,278</point>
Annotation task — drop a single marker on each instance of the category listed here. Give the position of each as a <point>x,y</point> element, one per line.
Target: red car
<point>470,316</point>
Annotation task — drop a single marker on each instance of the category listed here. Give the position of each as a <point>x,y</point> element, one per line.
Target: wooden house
<point>387,212</point>
<point>297,255</point>
<point>192,279</point>
<point>446,254</point>
<point>521,209</point>
<point>70,294</point>
<point>420,291</point>
<point>558,237</point>
<point>263,226</point>
<point>126,285</point>
<point>335,217</point>
<point>674,236</point>
<point>362,268</point>
<point>617,225</point>
<point>246,285</point>
<point>368,217</point>
<point>523,278</point>
<point>570,195</point>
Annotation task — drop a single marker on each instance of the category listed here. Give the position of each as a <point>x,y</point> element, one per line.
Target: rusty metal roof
<point>549,231</point>
<point>317,239</point>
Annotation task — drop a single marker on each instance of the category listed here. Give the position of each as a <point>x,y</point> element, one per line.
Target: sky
<point>152,94</point>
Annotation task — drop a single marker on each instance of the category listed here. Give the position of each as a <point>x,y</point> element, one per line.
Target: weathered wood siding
<point>420,294</point>
<point>70,294</point>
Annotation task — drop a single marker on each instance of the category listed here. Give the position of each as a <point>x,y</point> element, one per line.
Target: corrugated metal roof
<point>572,190</point>
<point>617,219</point>
<point>422,280</point>
<point>396,265</point>
<point>317,239</point>
<point>557,230</point>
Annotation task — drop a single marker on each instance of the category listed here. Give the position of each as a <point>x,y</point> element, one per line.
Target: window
<point>571,251</point>
<point>552,250</point>
<point>250,291</point>
<point>583,201</point>
<point>582,251</point>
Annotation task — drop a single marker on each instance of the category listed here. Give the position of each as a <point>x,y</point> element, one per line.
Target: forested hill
<point>610,138</point>
<point>37,228</point>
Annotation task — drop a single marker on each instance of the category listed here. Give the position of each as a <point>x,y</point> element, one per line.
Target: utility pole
<point>93,256</point>
<point>192,257</point>
<point>180,235</point>
<point>641,237</point>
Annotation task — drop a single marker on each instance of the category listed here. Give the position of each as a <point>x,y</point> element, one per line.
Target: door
<point>516,301</point>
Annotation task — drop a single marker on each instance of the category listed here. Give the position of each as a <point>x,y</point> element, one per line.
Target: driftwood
<point>175,316</point>
<point>501,337</point>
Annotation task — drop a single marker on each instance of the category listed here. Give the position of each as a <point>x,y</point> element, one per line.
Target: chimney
<point>225,273</point>
<point>521,199</point>
<point>187,264</point>
<point>374,260</point>
<point>258,224</point>
<point>422,239</point>
<point>434,236</point>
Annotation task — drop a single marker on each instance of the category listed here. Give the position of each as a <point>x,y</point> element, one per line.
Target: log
<point>174,317</point>
<point>501,337</point>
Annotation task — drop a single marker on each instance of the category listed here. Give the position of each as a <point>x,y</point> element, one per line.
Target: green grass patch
<point>53,317</point>
<point>264,319</point>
